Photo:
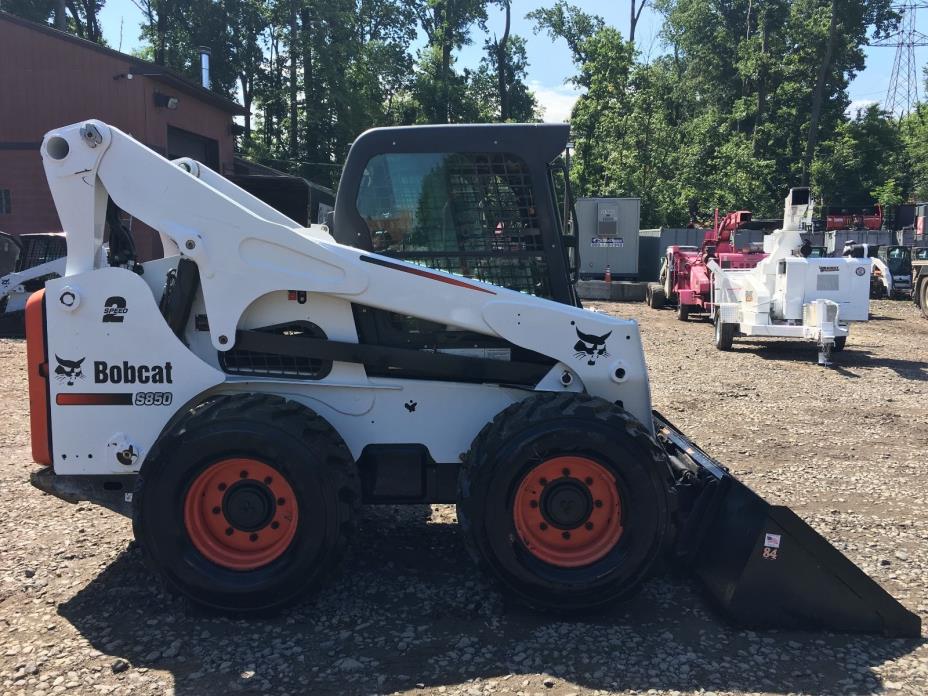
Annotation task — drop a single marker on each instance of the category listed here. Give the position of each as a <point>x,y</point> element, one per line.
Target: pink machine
<point>685,277</point>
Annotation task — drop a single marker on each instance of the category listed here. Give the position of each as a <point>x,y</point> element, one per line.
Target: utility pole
<point>902,91</point>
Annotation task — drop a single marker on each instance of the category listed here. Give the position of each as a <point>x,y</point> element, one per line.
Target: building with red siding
<point>49,78</point>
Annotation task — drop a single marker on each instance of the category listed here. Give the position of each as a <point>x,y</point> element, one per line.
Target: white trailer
<point>791,296</point>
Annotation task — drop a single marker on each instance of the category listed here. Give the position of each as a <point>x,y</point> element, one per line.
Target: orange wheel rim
<point>241,514</point>
<point>568,511</point>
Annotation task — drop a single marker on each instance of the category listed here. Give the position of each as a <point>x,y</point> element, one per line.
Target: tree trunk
<point>633,21</point>
<point>309,86</point>
<point>294,112</point>
<point>818,95</point>
<point>761,80</point>
<point>161,29</point>
<point>61,20</point>
<point>501,65</point>
<point>446,38</point>
<point>246,102</point>
<point>75,15</point>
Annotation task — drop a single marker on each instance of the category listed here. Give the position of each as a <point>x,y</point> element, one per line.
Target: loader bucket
<point>764,567</point>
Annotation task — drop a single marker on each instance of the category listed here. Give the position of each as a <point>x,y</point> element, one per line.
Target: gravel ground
<point>844,447</point>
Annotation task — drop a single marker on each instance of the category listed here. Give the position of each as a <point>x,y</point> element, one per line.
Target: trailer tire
<point>840,342</point>
<point>656,297</point>
<point>724,336</point>
<point>590,534</point>
<point>246,503</point>
<point>923,297</point>
<point>683,311</point>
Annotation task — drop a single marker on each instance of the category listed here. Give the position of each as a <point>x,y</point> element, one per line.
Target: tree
<point>635,16</point>
<point>80,17</point>
<point>568,22</point>
<point>503,69</point>
<point>484,84</point>
<point>864,154</point>
<point>887,194</point>
<point>446,24</point>
<point>849,22</point>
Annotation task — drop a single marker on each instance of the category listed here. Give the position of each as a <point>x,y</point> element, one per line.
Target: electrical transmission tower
<point>902,93</point>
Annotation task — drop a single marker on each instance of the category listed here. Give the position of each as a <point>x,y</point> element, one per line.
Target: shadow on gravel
<point>410,611</point>
<point>852,356</point>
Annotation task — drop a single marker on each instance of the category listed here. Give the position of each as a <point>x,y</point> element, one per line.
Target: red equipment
<point>855,221</point>
<point>685,277</point>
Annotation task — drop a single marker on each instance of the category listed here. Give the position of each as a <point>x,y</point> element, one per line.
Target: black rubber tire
<point>683,311</point>
<point>840,342</point>
<point>724,334</point>
<point>549,425</point>
<point>284,434</point>
<point>923,297</point>
<point>656,297</point>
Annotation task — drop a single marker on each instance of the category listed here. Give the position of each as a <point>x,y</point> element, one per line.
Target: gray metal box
<point>836,239</point>
<point>608,236</point>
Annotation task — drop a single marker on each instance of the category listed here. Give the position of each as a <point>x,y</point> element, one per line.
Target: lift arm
<point>242,256</point>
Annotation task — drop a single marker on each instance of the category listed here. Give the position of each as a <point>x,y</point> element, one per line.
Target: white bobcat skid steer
<point>262,380</point>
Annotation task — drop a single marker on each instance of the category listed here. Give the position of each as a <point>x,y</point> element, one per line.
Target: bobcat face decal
<point>69,370</point>
<point>591,347</point>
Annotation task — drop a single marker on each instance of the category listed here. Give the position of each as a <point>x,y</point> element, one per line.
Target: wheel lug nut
<point>243,474</point>
<point>253,537</point>
<point>588,481</point>
<point>589,525</point>
<point>598,503</point>
<point>268,480</point>
<point>229,531</point>
<point>566,471</point>
<point>221,486</point>
<point>216,510</point>
<point>543,526</point>
<point>281,501</point>
<point>566,535</point>
<point>534,503</point>
<point>543,481</point>
<point>275,524</point>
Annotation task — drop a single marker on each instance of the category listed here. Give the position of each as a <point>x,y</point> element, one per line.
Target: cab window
<point>473,214</point>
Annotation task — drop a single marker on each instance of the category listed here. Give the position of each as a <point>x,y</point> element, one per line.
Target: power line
<point>902,91</point>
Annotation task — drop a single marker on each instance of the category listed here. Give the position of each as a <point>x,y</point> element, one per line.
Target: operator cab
<point>490,202</point>
<point>898,259</point>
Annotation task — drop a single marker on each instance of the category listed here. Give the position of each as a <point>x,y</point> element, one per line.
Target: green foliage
<point>81,16</point>
<point>913,130</point>
<point>889,193</point>
<point>861,158</point>
<point>748,99</point>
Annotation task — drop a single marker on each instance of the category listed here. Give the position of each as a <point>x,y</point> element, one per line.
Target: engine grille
<point>249,363</point>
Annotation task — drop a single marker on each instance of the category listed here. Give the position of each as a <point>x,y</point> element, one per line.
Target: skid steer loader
<point>240,397</point>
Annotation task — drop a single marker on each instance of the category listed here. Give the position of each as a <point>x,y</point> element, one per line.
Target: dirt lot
<point>845,447</point>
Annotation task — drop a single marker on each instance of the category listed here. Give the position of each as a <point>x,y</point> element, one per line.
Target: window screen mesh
<point>472,214</point>
<point>39,250</point>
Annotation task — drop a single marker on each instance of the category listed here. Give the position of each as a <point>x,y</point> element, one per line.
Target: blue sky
<point>549,62</point>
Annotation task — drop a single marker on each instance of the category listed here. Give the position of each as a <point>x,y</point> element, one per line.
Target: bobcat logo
<point>69,370</point>
<point>591,347</point>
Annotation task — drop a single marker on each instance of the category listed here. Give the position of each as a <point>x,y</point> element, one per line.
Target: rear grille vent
<point>249,363</point>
